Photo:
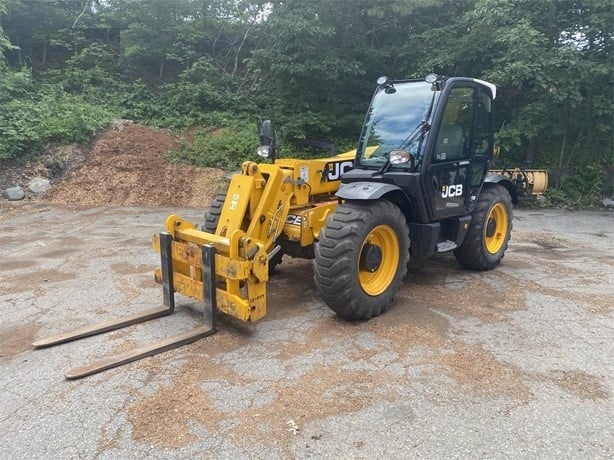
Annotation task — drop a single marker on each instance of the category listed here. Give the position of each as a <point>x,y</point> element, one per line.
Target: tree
<point>32,24</point>
<point>311,64</point>
<point>5,43</point>
<point>552,63</point>
<point>309,75</point>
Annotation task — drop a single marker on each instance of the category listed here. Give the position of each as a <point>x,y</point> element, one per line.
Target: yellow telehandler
<point>418,183</point>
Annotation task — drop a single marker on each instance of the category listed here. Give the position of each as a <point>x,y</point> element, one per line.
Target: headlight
<point>398,157</point>
<point>264,151</point>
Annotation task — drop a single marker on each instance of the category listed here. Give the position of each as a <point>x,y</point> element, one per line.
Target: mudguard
<point>365,190</point>
<point>494,178</point>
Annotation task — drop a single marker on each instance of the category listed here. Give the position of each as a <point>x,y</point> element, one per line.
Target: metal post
<point>209,285</point>
<point>166,263</point>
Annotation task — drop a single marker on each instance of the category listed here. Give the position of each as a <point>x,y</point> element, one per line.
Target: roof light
<point>264,151</point>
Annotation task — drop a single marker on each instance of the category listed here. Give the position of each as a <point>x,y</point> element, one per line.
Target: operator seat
<point>449,142</point>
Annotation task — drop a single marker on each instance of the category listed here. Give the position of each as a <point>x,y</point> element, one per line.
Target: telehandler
<point>418,183</point>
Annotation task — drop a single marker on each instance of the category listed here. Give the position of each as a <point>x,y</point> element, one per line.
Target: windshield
<point>397,120</point>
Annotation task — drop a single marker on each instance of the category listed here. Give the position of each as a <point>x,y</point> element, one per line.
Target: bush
<point>220,147</point>
<point>141,104</point>
<point>73,120</point>
<point>584,187</point>
<point>35,114</point>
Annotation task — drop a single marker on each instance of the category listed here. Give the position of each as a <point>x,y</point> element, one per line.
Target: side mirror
<point>267,140</point>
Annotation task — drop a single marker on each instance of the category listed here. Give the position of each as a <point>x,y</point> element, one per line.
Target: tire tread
<point>472,253</point>
<point>336,255</point>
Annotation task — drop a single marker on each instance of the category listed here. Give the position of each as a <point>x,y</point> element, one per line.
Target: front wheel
<point>491,227</point>
<point>361,258</point>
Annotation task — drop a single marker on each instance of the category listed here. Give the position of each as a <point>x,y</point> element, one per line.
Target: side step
<point>445,246</point>
<point>168,293</point>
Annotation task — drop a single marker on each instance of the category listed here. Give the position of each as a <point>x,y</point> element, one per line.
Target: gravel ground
<point>511,363</point>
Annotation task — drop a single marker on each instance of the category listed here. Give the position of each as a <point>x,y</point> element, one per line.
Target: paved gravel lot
<point>513,363</point>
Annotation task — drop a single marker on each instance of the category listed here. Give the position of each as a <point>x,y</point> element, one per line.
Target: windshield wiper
<point>422,127</point>
<point>418,132</point>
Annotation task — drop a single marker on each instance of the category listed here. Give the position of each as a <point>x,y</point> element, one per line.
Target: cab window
<point>454,137</point>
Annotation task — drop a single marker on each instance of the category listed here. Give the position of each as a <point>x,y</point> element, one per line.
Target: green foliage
<point>71,119</point>
<point>34,115</point>
<point>140,103</point>
<point>309,66</point>
<point>92,72</point>
<point>227,147</point>
<point>5,43</point>
<point>220,147</point>
<point>584,187</point>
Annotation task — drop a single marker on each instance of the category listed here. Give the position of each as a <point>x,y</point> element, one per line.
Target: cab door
<point>460,156</point>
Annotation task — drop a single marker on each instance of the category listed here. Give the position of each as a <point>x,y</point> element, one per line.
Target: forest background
<point>208,69</point>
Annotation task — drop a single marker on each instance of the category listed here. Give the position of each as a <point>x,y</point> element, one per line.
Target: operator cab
<point>430,140</point>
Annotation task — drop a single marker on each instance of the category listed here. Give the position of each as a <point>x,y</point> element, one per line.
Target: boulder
<point>14,194</point>
<point>39,185</point>
<point>607,203</point>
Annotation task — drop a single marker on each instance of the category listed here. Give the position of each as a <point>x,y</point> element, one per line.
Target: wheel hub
<point>491,227</point>
<point>370,258</point>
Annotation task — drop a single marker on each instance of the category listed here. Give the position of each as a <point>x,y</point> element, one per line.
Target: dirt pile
<point>126,166</point>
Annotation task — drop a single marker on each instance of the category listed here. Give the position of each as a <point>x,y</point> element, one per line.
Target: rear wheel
<point>212,215</point>
<point>491,227</point>
<point>361,258</point>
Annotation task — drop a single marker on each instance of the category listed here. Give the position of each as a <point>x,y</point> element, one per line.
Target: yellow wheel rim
<point>376,278</point>
<point>495,230</point>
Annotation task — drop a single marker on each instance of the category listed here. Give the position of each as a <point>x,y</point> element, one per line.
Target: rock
<point>14,194</point>
<point>607,203</point>
<point>39,185</point>
<point>119,124</point>
<point>56,168</point>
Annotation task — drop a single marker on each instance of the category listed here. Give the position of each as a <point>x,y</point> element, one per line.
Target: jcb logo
<point>450,191</point>
<point>338,169</point>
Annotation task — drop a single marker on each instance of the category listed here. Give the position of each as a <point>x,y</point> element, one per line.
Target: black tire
<point>275,261</point>
<point>212,217</point>
<point>361,258</point>
<point>490,231</point>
